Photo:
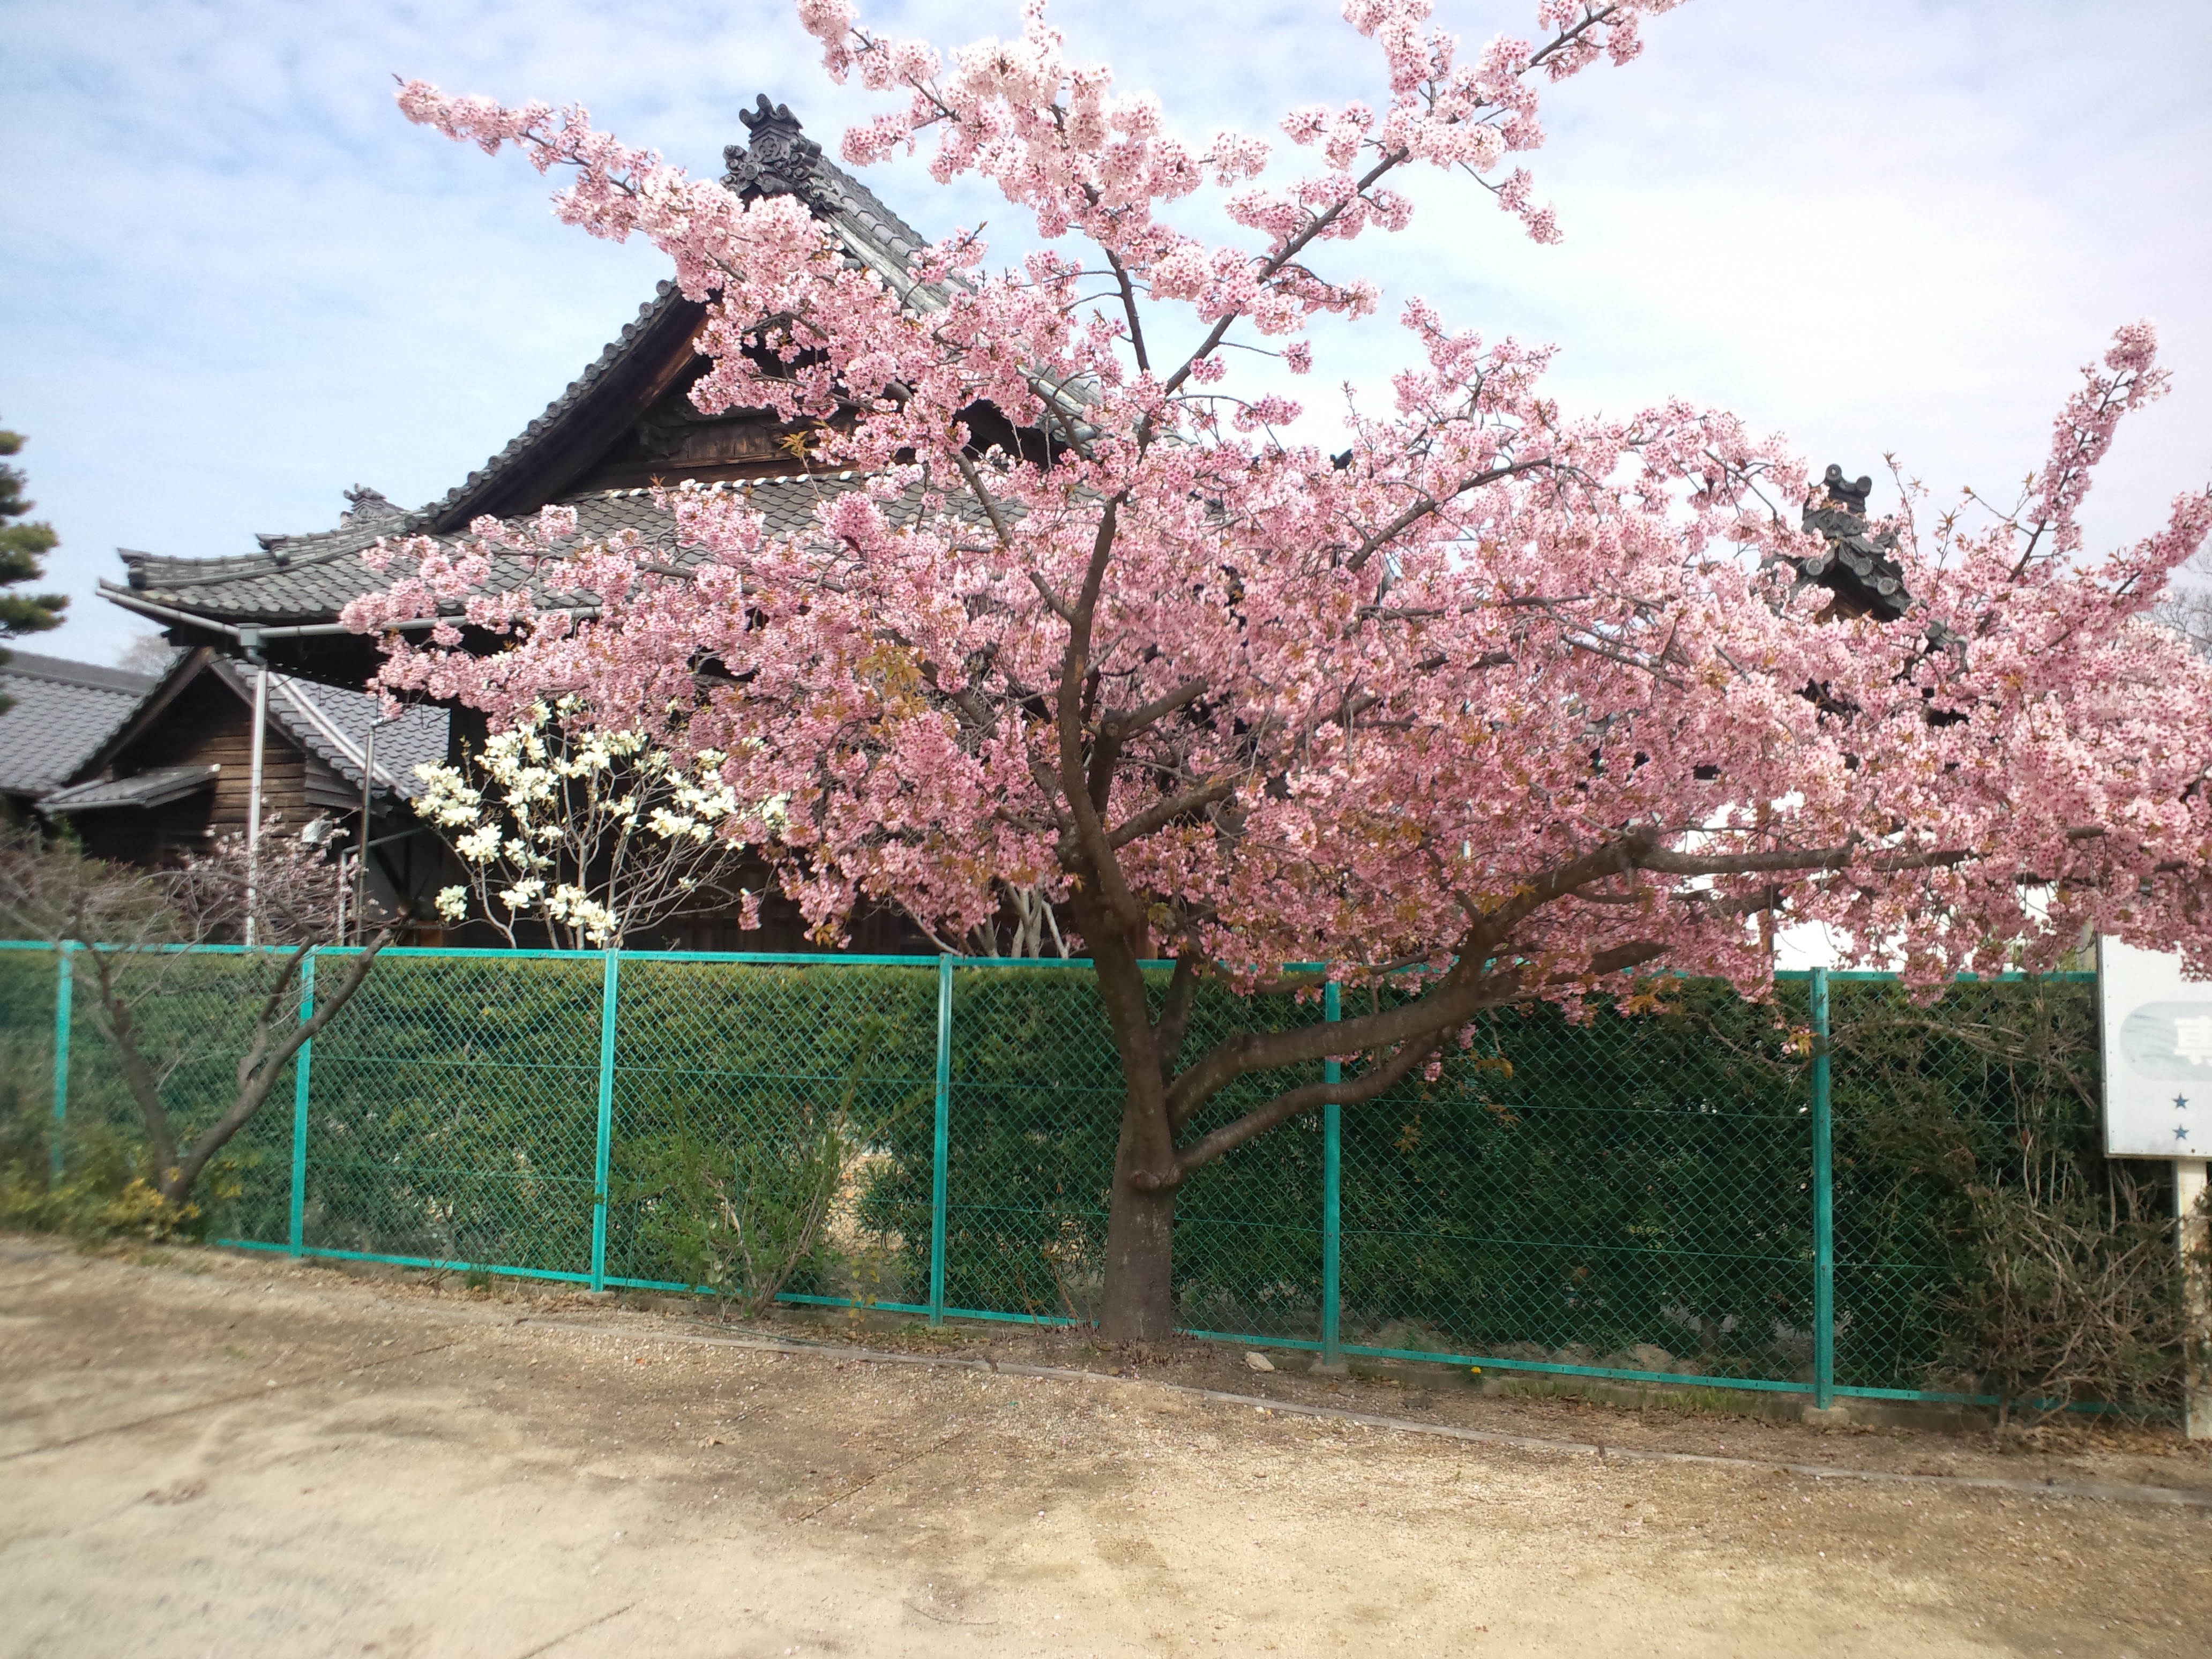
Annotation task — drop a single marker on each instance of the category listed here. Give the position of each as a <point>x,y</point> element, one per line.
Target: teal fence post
<point>300,1065</point>
<point>942,1151</point>
<point>1824,1204</point>
<point>64,980</point>
<point>1332,1193</point>
<point>609,1000</point>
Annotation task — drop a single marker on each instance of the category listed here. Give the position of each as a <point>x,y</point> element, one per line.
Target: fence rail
<point>1699,1195</point>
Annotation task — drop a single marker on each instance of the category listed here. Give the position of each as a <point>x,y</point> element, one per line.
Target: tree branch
<point>1165,813</point>
<point>1174,1023</point>
<point>1468,987</point>
<point>1091,830</point>
<point>254,1089</point>
<point>1377,1080</point>
<point>1430,505</point>
<point>1137,719</point>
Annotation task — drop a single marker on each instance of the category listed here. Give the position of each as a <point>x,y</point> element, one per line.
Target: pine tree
<point>22,550</point>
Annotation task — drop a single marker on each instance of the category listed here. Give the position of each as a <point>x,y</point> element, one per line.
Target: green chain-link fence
<point>1640,1194</point>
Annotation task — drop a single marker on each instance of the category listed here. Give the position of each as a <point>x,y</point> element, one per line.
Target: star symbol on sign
<point>2181,1102</point>
<point>2180,1134</point>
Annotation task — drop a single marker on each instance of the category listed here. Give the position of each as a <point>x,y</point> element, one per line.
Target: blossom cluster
<point>1497,679</point>
<point>591,830</point>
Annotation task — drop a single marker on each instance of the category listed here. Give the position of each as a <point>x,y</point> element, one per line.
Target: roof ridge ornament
<point>1861,569</point>
<point>366,506</point>
<point>779,160</point>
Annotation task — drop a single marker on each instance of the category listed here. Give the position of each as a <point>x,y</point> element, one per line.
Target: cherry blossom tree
<point>1498,702</point>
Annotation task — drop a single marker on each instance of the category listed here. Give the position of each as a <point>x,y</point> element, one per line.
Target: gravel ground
<point>202,1453</point>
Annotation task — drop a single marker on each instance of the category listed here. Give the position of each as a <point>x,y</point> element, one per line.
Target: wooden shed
<point>178,773</point>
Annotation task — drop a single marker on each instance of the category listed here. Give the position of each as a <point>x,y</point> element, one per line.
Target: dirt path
<point>207,1454</point>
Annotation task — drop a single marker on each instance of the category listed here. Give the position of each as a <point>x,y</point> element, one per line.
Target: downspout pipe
<point>250,643</point>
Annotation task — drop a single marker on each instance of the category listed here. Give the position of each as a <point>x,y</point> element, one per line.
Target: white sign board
<point>2157,1040</point>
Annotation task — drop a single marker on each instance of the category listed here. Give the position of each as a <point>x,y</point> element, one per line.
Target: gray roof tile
<point>332,724</point>
<point>155,788</point>
<point>63,711</point>
<point>321,574</point>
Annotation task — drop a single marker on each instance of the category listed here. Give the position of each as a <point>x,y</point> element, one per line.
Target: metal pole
<point>1331,1195</point>
<point>942,1147</point>
<point>1824,1205</point>
<point>360,857</point>
<point>300,1068</point>
<point>345,882</point>
<point>253,805</point>
<point>610,997</point>
<point>64,980</point>
<point>2191,1236</point>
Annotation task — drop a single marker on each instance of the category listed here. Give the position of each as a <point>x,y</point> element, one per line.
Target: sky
<point>234,282</point>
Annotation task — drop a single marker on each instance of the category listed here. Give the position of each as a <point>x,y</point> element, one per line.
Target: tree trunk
<point>1138,1305</point>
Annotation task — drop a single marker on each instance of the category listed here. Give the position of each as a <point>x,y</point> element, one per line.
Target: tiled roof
<point>571,402</point>
<point>334,724</point>
<point>1858,566</point>
<point>871,232</point>
<point>305,580</point>
<point>63,711</point>
<point>311,579</point>
<point>155,788</point>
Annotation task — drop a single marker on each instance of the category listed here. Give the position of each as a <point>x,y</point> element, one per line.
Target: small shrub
<point>105,1193</point>
<point>2068,1298</point>
<point>738,1221</point>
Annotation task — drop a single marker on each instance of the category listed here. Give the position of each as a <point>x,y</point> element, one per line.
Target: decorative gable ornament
<point>366,506</point>
<point>780,160</point>
<point>1861,569</point>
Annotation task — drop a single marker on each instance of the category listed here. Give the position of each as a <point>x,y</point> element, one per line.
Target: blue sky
<point>234,281</point>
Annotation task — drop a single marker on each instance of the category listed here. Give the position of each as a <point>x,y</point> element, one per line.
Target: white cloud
<point>237,282</point>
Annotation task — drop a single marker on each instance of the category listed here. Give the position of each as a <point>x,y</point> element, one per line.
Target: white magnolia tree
<point>589,833</point>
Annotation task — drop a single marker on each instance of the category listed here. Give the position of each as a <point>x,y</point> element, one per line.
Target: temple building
<point>622,426</point>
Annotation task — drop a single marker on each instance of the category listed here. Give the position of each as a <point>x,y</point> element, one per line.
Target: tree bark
<point>1138,1304</point>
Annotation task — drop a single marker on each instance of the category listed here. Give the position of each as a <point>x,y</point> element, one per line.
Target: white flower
<point>578,910</point>
<point>523,894</point>
<point>552,827</point>
<point>453,903</point>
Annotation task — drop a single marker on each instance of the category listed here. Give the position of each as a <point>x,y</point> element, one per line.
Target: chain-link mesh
<point>1037,1099</point>
<point>1247,1240</point>
<point>453,1113</point>
<point>1035,1106</point>
<point>711,1056</point>
<point>1995,1089</point>
<point>191,1020</point>
<point>27,985</point>
<point>1630,1192</point>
